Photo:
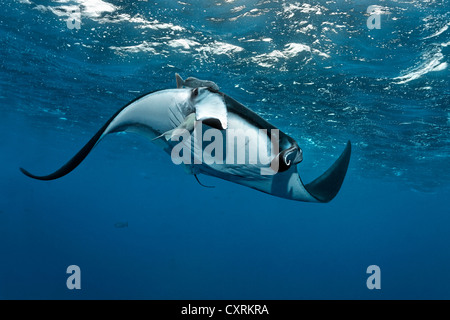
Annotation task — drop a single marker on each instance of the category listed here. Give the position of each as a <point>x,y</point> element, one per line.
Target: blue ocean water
<point>139,227</point>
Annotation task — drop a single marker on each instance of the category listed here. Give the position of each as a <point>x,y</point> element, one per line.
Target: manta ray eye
<point>195,93</point>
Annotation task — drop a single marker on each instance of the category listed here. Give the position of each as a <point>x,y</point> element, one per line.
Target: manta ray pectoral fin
<point>326,187</point>
<point>69,166</point>
<point>108,127</point>
<point>79,157</point>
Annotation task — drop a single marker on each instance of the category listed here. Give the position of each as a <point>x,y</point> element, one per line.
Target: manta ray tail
<point>202,183</point>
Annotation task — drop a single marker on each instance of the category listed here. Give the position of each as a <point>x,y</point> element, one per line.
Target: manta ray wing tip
<point>25,172</point>
<point>326,187</point>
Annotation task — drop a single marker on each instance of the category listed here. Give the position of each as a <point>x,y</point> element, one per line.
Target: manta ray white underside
<point>198,104</point>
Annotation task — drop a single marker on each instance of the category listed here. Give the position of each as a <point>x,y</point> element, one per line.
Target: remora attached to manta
<point>159,114</point>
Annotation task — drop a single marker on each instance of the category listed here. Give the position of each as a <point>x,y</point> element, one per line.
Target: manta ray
<point>175,119</point>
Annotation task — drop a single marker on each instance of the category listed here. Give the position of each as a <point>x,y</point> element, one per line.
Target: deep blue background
<point>183,241</point>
